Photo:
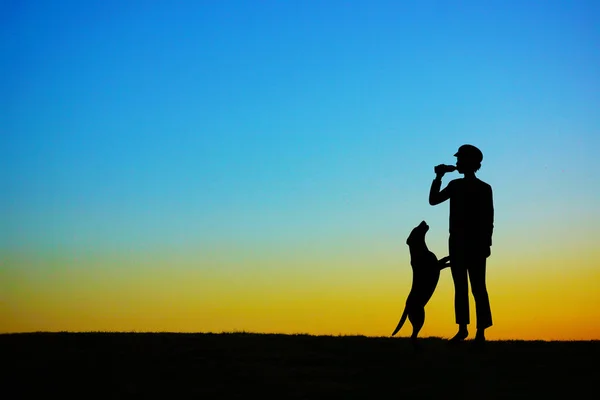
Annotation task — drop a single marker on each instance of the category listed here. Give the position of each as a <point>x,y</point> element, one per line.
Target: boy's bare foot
<point>480,336</point>
<point>461,335</point>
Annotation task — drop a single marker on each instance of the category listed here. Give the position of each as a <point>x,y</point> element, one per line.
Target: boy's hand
<point>441,169</point>
<point>488,251</point>
<point>439,172</point>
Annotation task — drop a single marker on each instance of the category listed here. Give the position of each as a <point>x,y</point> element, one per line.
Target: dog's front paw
<point>444,262</point>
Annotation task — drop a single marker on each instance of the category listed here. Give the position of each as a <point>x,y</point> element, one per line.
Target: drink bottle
<point>443,168</point>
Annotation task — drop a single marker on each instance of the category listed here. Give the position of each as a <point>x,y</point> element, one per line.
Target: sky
<point>204,166</point>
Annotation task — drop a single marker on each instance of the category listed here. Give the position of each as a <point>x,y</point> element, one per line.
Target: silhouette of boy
<point>469,245</point>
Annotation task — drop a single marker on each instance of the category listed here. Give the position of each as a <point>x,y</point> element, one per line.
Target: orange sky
<point>169,293</point>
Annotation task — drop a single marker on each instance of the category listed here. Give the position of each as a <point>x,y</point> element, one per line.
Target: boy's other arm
<point>435,195</point>
<point>490,215</point>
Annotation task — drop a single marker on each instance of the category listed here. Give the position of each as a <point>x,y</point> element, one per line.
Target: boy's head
<point>468,158</point>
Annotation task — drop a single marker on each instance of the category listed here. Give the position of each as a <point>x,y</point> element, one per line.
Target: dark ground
<point>243,365</point>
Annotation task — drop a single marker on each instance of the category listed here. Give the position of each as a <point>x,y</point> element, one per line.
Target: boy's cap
<point>469,152</point>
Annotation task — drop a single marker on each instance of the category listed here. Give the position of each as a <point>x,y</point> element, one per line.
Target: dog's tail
<point>402,320</point>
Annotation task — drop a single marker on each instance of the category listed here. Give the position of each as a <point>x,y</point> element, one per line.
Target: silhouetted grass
<point>239,365</point>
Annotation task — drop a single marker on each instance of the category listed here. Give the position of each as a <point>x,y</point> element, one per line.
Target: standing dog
<point>426,274</point>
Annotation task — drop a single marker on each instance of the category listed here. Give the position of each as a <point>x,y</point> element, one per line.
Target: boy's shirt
<point>471,211</point>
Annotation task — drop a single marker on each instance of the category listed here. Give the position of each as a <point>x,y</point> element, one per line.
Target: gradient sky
<point>258,165</point>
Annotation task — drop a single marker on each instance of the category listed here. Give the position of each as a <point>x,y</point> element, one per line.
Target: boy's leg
<point>461,297</point>
<point>477,269</point>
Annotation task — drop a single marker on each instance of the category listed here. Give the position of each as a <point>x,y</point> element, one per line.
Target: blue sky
<point>138,124</point>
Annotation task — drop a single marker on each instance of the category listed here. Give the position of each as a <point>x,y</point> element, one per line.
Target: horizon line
<point>284,334</point>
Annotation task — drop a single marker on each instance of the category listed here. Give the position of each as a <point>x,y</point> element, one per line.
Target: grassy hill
<point>239,365</point>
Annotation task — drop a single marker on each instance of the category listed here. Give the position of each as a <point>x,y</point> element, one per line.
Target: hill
<point>236,365</point>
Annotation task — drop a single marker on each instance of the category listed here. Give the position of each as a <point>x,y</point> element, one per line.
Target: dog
<point>426,274</point>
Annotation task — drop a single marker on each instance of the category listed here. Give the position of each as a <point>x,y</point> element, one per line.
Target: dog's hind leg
<point>417,319</point>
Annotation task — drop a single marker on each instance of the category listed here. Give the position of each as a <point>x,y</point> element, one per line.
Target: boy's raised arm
<point>435,195</point>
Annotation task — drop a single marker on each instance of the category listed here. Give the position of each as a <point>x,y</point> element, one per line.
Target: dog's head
<point>417,235</point>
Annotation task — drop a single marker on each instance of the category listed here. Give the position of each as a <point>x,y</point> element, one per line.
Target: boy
<point>471,226</point>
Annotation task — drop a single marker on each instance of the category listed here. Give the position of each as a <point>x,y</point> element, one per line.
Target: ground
<point>240,365</point>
